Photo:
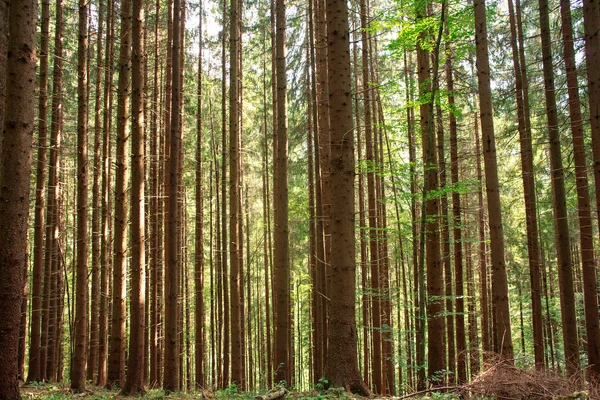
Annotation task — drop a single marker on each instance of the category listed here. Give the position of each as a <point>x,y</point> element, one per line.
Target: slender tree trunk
<point>155,239</point>
<point>51,266</point>
<point>234,194</point>
<point>116,356</point>
<point>15,182</point>
<point>500,284</point>
<point>445,222</point>
<point>199,248</point>
<point>81,313</point>
<point>96,211</point>
<point>281,277</point>
<point>461,345</point>
<point>172,347</point>
<point>529,194</point>
<point>106,179</point>
<point>323,186</point>
<point>561,223</point>
<point>4,28</point>
<point>40,198</point>
<point>378,379</point>
<point>134,383</point>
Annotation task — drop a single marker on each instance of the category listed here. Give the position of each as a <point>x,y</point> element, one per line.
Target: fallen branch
<point>433,389</point>
<point>272,395</point>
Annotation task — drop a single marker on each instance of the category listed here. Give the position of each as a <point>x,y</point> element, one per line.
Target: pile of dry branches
<point>507,382</point>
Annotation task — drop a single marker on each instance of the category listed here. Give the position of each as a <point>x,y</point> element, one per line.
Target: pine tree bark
<point>52,265</point>
<point>3,57</point>
<point>234,194</point>
<point>78,372</point>
<point>529,196</point>
<point>14,181</point>
<point>199,248</point>
<point>96,211</point>
<point>561,223</point>
<point>500,284</point>
<point>592,52</point>
<point>105,199</point>
<point>40,199</point>
<point>281,271</point>
<point>116,355</point>
<point>172,346</point>
<point>461,345</point>
<point>341,368</point>
<point>134,383</point>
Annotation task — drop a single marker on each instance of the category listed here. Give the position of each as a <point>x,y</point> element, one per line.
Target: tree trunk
<point>529,195</point>
<point>461,345</point>
<point>15,181</point>
<point>590,284</point>
<point>561,223</point>
<point>134,383</point>
<point>40,198</point>
<point>500,284</point>
<point>81,292</point>
<point>106,202</point>
<point>281,276</point>
<point>172,348</point>
<point>96,212</point>
<point>234,194</point>
<point>116,356</point>
<point>341,367</point>
<point>199,247</point>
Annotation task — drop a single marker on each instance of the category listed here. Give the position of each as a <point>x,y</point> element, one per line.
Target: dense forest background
<point>377,195</point>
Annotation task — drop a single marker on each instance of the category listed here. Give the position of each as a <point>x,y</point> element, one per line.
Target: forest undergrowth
<point>497,381</point>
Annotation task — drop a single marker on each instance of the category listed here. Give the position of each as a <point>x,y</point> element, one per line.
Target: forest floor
<point>49,391</point>
<point>498,381</point>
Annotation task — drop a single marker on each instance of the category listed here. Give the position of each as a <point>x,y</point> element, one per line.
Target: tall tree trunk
<point>96,211</point>
<point>590,283</point>
<point>52,267</point>
<point>106,202</point>
<point>155,239</point>
<point>116,355</point>
<point>445,222</point>
<point>591,22</point>
<point>561,223</point>
<point>341,366</point>
<point>500,283</point>
<point>461,345</point>
<point>4,11</point>
<point>234,193</point>
<point>40,199</point>
<point>81,312</point>
<point>430,235</point>
<point>529,196</point>
<point>281,271</point>
<point>378,379</point>
<point>134,383</point>
<point>14,181</point>
<point>172,347</point>
<point>323,186</point>
<point>199,248</point>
